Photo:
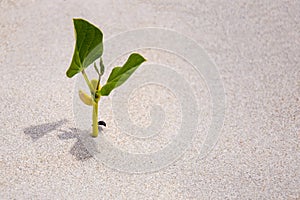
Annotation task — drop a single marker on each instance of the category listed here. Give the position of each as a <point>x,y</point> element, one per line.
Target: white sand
<point>255,47</point>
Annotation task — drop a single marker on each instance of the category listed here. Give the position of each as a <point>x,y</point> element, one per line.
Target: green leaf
<point>94,83</point>
<point>120,74</point>
<point>97,70</point>
<point>101,67</point>
<point>96,87</point>
<point>88,47</point>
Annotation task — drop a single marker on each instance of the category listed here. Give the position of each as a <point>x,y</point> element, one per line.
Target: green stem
<point>95,104</point>
<point>95,119</point>
<point>87,81</point>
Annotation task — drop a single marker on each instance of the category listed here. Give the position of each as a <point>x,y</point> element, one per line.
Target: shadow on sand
<point>78,150</point>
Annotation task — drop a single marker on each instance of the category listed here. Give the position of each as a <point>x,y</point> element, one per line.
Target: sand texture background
<point>256,48</point>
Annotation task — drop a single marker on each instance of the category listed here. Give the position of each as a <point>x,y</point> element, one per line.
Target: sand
<point>254,154</point>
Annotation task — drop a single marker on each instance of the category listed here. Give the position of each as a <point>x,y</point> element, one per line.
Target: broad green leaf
<point>85,98</point>
<point>88,47</point>
<point>120,74</point>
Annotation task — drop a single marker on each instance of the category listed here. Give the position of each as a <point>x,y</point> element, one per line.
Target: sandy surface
<point>255,47</point>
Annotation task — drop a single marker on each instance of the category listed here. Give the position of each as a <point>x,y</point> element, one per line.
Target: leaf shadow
<point>38,131</point>
<point>78,150</point>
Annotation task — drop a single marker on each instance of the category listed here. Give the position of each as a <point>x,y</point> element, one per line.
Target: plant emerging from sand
<point>89,48</point>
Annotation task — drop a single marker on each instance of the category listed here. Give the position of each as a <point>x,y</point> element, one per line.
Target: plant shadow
<point>78,150</point>
<point>36,132</point>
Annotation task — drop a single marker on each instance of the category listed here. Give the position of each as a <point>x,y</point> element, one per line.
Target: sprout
<point>89,48</point>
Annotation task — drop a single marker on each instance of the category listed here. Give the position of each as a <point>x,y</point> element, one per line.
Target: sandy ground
<point>255,46</point>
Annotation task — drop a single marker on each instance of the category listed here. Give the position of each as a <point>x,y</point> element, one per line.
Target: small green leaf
<point>101,67</point>
<point>85,98</point>
<point>96,86</point>
<point>95,67</point>
<point>120,74</point>
<point>94,83</point>
<point>88,47</point>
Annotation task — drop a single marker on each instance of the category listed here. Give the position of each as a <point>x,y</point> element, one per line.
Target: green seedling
<point>89,48</point>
